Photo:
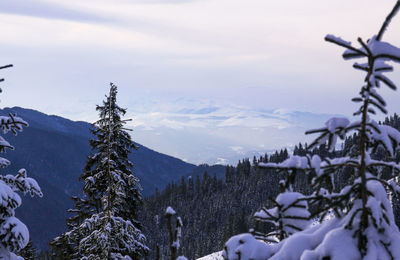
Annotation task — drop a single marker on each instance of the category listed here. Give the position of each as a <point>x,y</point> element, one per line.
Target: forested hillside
<point>213,209</point>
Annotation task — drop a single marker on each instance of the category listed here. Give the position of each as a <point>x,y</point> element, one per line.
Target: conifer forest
<point>76,190</point>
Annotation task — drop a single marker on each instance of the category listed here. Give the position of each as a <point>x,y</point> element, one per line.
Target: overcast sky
<point>174,57</point>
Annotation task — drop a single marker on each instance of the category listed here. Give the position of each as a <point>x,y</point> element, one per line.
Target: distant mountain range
<point>54,150</point>
<point>203,131</point>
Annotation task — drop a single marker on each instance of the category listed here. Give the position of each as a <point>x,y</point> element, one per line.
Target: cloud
<point>237,149</point>
<point>47,10</point>
<point>204,110</point>
<point>160,1</point>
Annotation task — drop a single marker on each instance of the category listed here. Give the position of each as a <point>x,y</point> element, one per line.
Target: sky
<point>204,80</point>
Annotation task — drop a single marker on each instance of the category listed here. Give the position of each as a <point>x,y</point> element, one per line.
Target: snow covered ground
<point>213,256</point>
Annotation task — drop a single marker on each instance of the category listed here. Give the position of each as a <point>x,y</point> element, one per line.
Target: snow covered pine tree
<point>174,238</point>
<point>105,225</point>
<point>361,224</point>
<point>14,235</point>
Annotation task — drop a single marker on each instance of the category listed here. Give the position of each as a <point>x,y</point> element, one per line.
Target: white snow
<point>18,230</point>
<point>336,123</point>
<point>245,246</point>
<point>213,256</point>
<point>4,143</point>
<point>4,162</point>
<point>295,161</point>
<point>170,211</point>
<point>381,65</point>
<point>379,49</point>
<point>383,49</point>
<point>334,38</point>
<point>316,164</point>
<point>291,212</point>
<point>329,238</point>
<point>8,198</point>
<point>387,136</point>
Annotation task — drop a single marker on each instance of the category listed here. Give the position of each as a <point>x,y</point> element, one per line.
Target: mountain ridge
<point>54,149</point>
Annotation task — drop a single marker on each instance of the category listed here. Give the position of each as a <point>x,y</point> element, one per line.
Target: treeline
<point>214,209</point>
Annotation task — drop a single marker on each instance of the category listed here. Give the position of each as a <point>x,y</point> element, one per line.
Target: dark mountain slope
<point>54,150</point>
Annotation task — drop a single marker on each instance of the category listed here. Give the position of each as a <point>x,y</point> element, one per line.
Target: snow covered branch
<point>14,235</point>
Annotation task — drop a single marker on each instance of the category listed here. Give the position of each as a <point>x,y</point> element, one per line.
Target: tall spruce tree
<point>105,224</point>
<point>14,235</point>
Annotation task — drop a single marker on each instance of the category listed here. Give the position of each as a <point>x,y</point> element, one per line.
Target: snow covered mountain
<point>204,131</point>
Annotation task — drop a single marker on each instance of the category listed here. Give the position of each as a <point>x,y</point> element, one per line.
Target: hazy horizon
<point>202,79</point>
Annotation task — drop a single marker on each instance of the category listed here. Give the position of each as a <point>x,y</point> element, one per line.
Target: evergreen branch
<point>388,56</point>
<point>360,67</point>
<point>376,129</point>
<point>378,98</point>
<point>317,140</point>
<point>294,205</point>
<point>357,99</point>
<point>381,108</point>
<point>386,80</point>
<point>272,217</point>
<point>364,45</point>
<point>388,68</point>
<point>296,217</point>
<point>313,131</point>
<point>388,20</point>
<point>263,237</point>
<point>335,40</point>
<point>349,225</point>
<point>351,55</point>
<point>386,246</point>
<point>371,111</point>
<point>6,66</point>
